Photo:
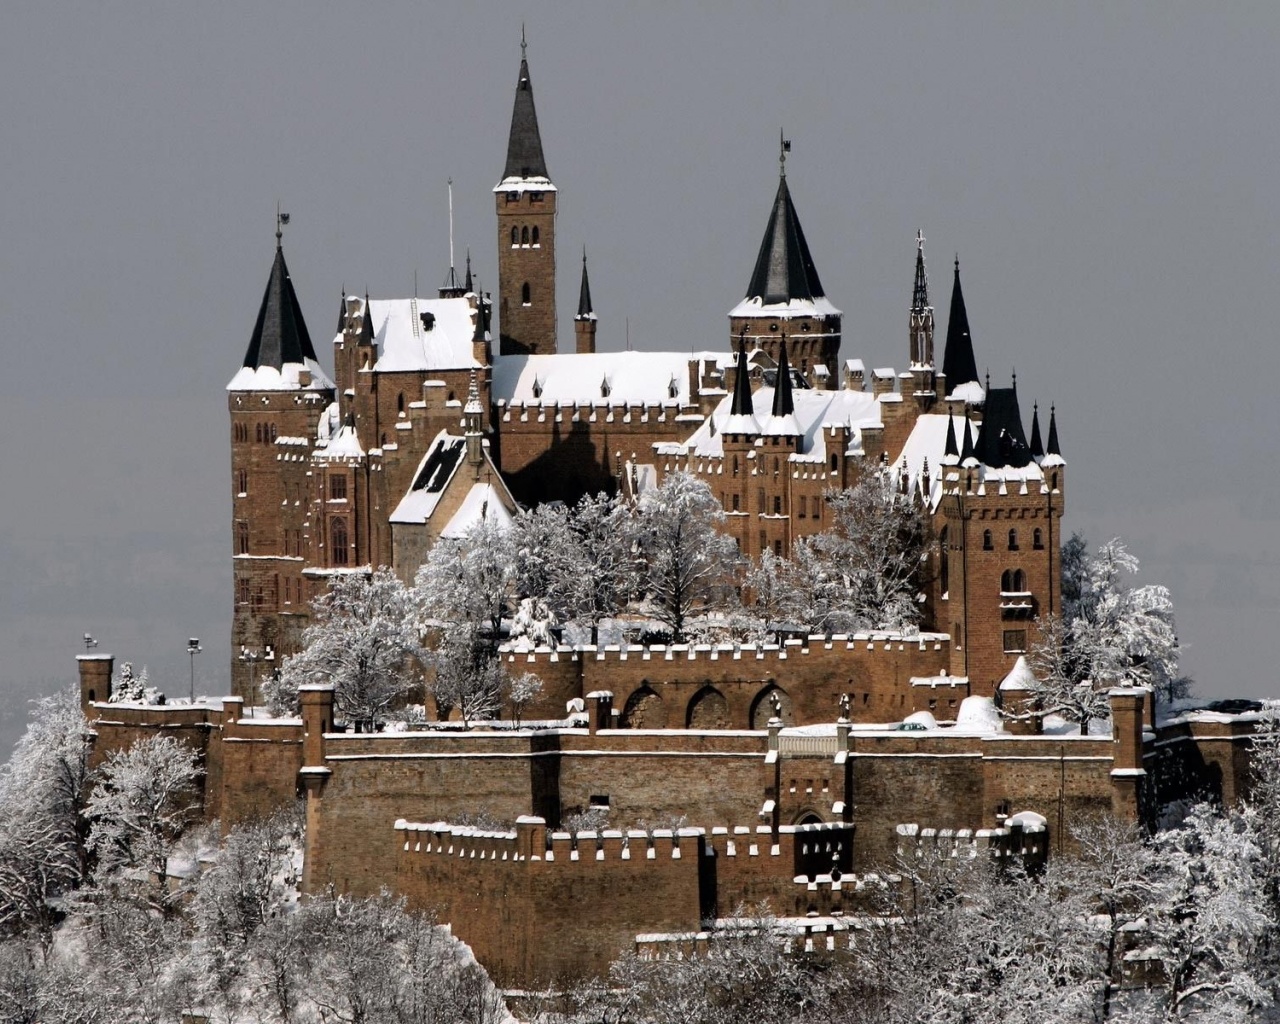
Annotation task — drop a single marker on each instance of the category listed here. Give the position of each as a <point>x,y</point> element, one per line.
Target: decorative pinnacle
<point>919,240</point>
<point>784,147</point>
<point>524,46</point>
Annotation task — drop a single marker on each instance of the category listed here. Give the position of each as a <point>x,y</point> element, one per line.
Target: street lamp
<point>89,642</point>
<point>251,658</point>
<point>193,648</point>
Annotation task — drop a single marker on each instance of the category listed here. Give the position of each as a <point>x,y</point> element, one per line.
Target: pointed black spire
<point>1037,447</point>
<point>366,324</point>
<point>466,281</point>
<point>1052,448</point>
<point>1001,441</point>
<point>950,450</point>
<point>784,269</point>
<point>966,453</point>
<point>742,404</point>
<point>920,293</point>
<point>783,402</point>
<point>280,334</point>
<point>524,146</point>
<point>342,311</point>
<point>584,292</point>
<point>957,361</point>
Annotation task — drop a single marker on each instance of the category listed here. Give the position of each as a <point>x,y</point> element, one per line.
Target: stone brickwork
<point>526,270</point>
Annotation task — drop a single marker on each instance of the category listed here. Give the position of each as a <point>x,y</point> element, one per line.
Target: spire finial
<point>784,147</point>
<point>919,240</point>
<point>281,220</point>
<point>524,46</point>
<point>957,264</point>
<point>1015,379</point>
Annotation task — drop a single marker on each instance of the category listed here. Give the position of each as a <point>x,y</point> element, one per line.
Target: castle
<point>423,428</point>
<point>729,774</point>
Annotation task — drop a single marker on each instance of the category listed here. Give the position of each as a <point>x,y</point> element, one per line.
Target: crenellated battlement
<point>869,641</point>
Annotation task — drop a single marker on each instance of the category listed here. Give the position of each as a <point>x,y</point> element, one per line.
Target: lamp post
<point>193,648</point>
<point>89,643</point>
<point>251,658</point>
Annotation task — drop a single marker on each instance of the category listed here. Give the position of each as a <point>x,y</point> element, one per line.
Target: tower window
<point>524,235</point>
<point>515,237</point>
<point>535,197</point>
<point>1013,540</point>
<point>243,589</point>
<point>735,503</point>
<point>777,504</point>
<point>257,433</point>
<point>803,502</point>
<point>242,481</point>
<point>1037,539</point>
<point>1015,641</point>
<point>526,296</point>
<point>338,540</point>
<point>735,467</point>
<point>988,542</point>
<point>242,537</point>
<point>535,235</point>
<point>338,488</point>
<point>1013,581</point>
<point>762,506</point>
<point>833,462</point>
<point>400,403</point>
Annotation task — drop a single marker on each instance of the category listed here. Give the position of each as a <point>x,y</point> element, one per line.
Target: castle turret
<point>785,295</point>
<point>526,204</point>
<point>473,424</point>
<point>920,326</point>
<point>781,426</point>
<point>584,324</point>
<point>958,365</point>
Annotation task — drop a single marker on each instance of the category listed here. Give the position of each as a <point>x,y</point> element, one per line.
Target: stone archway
<point>762,707</point>
<point>644,710</point>
<point>708,710</point>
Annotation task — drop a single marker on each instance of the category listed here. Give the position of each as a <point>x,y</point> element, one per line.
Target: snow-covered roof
<point>970,392</point>
<point>483,501</point>
<point>629,378</point>
<point>791,310</point>
<point>814,410</point>
<point>1020,677</point>
<point>345,444</point>
<point>287,378</point>
<point>404,343</point>
<point>430,479</point>
<point>518,184</point>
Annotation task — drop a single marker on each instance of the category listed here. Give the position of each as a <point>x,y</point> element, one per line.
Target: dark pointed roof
<point>957,361</point>
<point>584,292</point>
<point>783,402</point>
<point>1053,448</point>
<point>950,450</point>
<point>466,281</point>
<point>742,404</point>
<point>524,146</point>
<point>1037,446</point>
<point>966,453</point>
<point>366,324</point>
<point>784,269</point>
<point>280,334</point>
<point>920,293</point>
<point>1001,441</point>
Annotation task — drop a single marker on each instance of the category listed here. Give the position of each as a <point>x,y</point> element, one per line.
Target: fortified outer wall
<point>728,686</point>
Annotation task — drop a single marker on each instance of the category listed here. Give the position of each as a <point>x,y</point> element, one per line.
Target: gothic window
<point>1013,581</point>
<point>1013,540</point>
<point>525,294</point>
<point>535,235</point>
<point>777,504</point>
<point>338,540</point>
<point>258,432</point>
<point>524,236</point>
<point>243,587</point>
<point>803,504</point>
<point>735,503</point>
<point>1015,641</point>
<point>242,481</point>
<point>1037,539</point>
<point>515,236</point>
<point>988,542</point>
<point>833,462</point>
<point>242,537</point>
<point>338,488</point>
<point>400,403</point>
<point>944,563</point>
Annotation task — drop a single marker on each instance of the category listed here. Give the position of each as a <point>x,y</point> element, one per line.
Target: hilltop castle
<point>423,428</point>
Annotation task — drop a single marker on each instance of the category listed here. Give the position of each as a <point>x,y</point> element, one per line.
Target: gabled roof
<point>421,334</point>
<point>280,348</point>
<point>567,378</point>
<point>957,360</point>
<point>524,145</point>
<point>784,273</point>
<point>1001,441</point>
<point>432,477</point>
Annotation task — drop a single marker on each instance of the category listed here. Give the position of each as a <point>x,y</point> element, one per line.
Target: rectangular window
<point>803,503</point>
<point>243,587</point>
<point>735,503</point>
<point>1015,641</point>
<point>338,488</point>
<point>777,504</point>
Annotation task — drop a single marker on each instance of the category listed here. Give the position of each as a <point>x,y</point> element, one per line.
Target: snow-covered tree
<point>471,579</point>
<point>597,567</point>
<point>468,673</point>
<point>687,562</point>
<point>522,690</point>
<point>365,640</point>
<point>1055,688</point>
<point>863,572</point>
<point>143,799</point>
<point>539,537</point>
<point>133,687</point>
<point>42,829</point>
<point>533,623</point>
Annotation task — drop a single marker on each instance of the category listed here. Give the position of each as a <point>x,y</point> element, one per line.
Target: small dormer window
<point>537,387</point>
<point>605,388</point>
<point>428,320</point>
<point>673,388</point>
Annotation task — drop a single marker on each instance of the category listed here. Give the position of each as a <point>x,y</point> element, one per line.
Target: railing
<point>825,746</point>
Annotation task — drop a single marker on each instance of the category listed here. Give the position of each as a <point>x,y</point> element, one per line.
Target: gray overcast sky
<point>1105,171</point>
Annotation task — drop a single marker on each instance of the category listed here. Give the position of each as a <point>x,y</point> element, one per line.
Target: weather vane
<point>281,220</point>
<point>784,150</point>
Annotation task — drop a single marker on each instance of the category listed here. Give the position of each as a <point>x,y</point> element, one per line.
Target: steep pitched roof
<point>524,145</point>
<point>1001,441</point>
<point>783,403</point>
<point>920,292</point>
<point>280,334</point>
<point>957,360</point>
<point>742,412</point>
<point>1037,446</point>
<point>584,292</point>
<point>784,268</point>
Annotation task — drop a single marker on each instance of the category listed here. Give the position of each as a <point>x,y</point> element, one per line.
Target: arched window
<point>1013,540</point>
<point>242,537</point>
<point>803,507</point>
<point>524,236</point>
<point>535,235</point>
<point>515,236</point>
<point>775,465</point>
<point>525,294</point>
<point>273,432</point>
<point>242,481</point>
<point>258,432</point>
<point>988,542</point>
<point>1037,539</point>
<point>735,465</point>
<point>1013,581</point>
<point>400,403</point>
<point>833,462</point>
<point>338,540</point>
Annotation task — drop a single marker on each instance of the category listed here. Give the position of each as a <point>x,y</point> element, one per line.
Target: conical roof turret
<point>784,270</point>
<point>1037,446</point>
<point>742,413</point>
<point>584,292</point>
<point>1052,452</point>
<point>950,454</point>
<point>957,360</point>
<point>782,420</point>
<point>524,144</point>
